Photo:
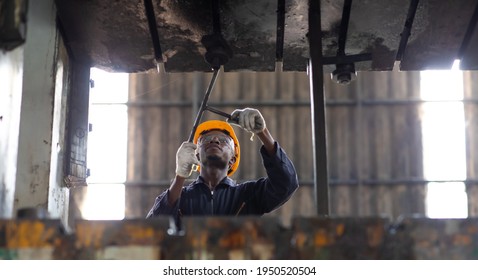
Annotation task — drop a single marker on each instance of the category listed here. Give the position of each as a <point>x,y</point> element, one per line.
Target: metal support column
<point>317,108</point>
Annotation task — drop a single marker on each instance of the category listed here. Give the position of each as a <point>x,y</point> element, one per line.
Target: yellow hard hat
<point>227,128</point>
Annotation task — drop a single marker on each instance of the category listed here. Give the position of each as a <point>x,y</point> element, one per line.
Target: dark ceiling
<point>425,34</point>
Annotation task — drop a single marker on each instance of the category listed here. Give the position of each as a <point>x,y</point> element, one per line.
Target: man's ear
<point>232,160</point>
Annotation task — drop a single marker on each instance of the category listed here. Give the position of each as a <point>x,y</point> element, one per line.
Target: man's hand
<point>249,119</point>
<point>185,159</point>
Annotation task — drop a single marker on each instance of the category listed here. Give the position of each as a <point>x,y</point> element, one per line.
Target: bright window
<point>444,152</point>
<point>105,197</point>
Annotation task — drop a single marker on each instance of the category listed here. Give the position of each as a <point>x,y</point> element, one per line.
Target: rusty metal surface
<point>339,238</point>
<point>32,239</point>
<point>256,238</point>
<point>203,238</point>
<point>97,239</point>
<point>436,239</point>
<point>237,238</point>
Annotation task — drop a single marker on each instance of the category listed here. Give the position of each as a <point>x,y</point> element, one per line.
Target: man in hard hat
<point>216,152</point>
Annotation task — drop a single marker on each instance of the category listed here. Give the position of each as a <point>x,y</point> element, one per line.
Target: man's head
<point>218,145</point>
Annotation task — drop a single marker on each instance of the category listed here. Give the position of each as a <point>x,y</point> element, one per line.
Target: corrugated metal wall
<point>374,143</point>
<point>374,136</point>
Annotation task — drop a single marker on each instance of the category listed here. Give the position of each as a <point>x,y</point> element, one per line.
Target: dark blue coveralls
<point>229,198</point>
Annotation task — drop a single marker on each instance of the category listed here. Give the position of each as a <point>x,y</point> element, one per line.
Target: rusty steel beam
<point>255,238</point>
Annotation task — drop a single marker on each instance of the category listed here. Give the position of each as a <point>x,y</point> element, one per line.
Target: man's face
<point>216,149</point>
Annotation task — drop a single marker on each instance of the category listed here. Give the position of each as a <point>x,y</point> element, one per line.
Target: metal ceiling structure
<point>373,35</point>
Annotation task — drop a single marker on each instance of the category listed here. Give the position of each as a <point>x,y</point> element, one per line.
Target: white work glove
<point>186,159</point>
<point>249,119</point>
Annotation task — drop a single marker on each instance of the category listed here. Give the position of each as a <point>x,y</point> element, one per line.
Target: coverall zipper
<point>212,202</point>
